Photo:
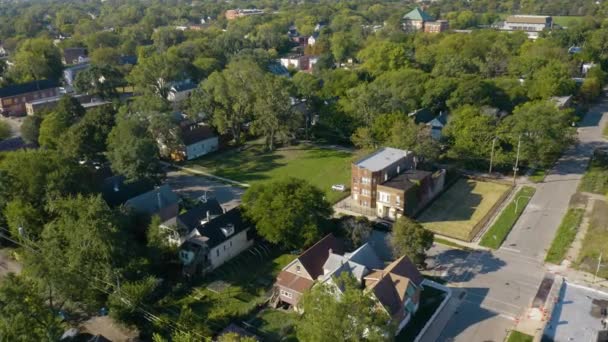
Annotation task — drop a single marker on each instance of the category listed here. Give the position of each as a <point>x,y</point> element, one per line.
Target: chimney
<point>208,216</point>
<point>159,198</point>
<point>331,251</point>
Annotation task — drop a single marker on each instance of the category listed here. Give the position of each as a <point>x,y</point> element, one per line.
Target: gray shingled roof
<point>153,201</point>
<point>381,158</point>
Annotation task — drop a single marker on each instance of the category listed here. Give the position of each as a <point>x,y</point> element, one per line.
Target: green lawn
<point>565,235</point>
<point>595,241</point>
<point>250,276</point>
<point>494,237</point>
<point>563,20</point>
<point>595,179</point>
<point>459,210</point>
<point>275,325</point>
<point>516,336</point>
<point>430,300</point>
<point>5,130</point>
<point>450,243</point>
<point>321,167</point>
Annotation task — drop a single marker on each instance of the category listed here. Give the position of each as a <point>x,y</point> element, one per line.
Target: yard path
<point>206,174</point>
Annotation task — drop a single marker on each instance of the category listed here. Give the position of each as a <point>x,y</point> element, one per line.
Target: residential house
<point>239,13</point>
<point>299,275</point>
<point>408,193</point>
<point>87,101</point>
<point>215,240</point>
<point>14,97</point>
<point>437,124</point>
<point>374,169</point>
<point>181,90</point>
<point>115,190</point>
<point>278,69</point>
<point>312,40</point>
<point>422,115</point>
<point>586,67</point>
<point>397,289</point>
<point>196,140</point>
<point>75,55</point>
<point>419,20</point>
<point>299,62</point>
<point>358,264</point>
<point>562,102</point>
<point>70,73</point>
<point>531,24</point>
<point>182,227</point>
<point>161,201</point>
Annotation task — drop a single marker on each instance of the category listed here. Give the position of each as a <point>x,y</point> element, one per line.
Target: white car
<point>338,187</point>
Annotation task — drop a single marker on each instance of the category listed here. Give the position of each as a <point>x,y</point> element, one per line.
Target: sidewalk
<point>206,174</point>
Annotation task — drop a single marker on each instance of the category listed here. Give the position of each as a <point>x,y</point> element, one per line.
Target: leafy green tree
<point>356,230</point>
<point>154,74</point>
<point>99,81</point>
<point>56,124</point>
<point>229,96</point>
<point>80,251</point>
<point>469,134</point>
<point>132,151</point>
<point>545,131</point>
<point>590,89</point>
<point>23,215</point>
<point>37,59</point>
<point>409,238</point>
<point>406,135</point>
<point>5,130</point>
<point>234,337</point>
<point>353,315</point>
<point>551,80</point>
<point>25,313</point>
<point>30,129</point>
<point>273,116</point>
<point>125,302</point>
<point>87,138</point>
<point>382,55</point>
<point>289,212</point>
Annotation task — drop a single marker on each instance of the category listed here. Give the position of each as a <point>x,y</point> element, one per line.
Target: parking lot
<point>577,314</point>
<point>195,186</point>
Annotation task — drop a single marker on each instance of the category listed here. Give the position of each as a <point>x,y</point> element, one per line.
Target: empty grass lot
<point>516,336</point>
<point>565,235</point>
<point>321,167</point>
<point>595,179</point>
<point>595,241</point>
<point>494,237</point>
<point>458,210</point>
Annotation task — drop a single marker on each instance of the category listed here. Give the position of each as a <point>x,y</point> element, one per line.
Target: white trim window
<point>384,197</point>
<point>365,180</point>
<point>286,294</point>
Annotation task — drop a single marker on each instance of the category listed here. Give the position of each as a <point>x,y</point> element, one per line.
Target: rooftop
<point>381,158</point>
<point>418,14</point>
<point>23,88</point>
<point>528,19</point>
<point>213,231</point>
<point>194,134</point>
<point>153,201</point>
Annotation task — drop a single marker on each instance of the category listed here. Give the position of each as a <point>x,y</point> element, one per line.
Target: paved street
<point>499,286</point>
<point>195,186</point>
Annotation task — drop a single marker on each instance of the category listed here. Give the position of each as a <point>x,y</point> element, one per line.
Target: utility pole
<point>492,155</point>
<point>597,270</point>
<point>515,169</point>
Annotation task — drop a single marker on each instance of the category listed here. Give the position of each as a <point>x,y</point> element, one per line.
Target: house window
<point>286,294</point>
<point>365,180</point>
<point>398,199</point>
<point>217,252</point>
<point>365,192</point>
<point>384,197</point>
<point>297,269</point>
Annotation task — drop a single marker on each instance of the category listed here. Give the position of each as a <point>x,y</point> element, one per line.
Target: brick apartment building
<point>374,169</point>
<point>13,98</point>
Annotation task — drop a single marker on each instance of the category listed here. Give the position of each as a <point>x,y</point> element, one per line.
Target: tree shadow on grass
<point>458,203</point>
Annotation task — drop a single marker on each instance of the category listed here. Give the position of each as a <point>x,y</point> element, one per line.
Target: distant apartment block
<point>239,13</point>
<point>531,24</point>
<point>299,62</point>
<point>388,181</point>
<point>14,98</point>
<point>419,20</point>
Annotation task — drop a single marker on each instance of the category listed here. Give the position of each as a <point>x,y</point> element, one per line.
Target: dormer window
<point>297,269</point>
<point>228,230</point>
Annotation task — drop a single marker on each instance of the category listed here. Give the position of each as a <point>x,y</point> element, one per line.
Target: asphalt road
<point>498,287</point>
<point>195,186</point>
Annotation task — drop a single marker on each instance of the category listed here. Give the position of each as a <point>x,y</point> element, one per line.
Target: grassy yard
<point>565,235</point>
<point>458,211</point>
<point>5,130</point>
<point>516,336</point>
<point>494,237</point>
<point>321,167</point>
<point>275,325</point>
<point>248,278</point>
<point>450,243</point>
<point>595,179</point>
<point>564,20</point>
<point>595,241</point>
<point>430,300</point>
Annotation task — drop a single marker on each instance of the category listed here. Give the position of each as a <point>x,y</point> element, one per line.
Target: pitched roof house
<point>196,140</point>
<point>358,263</point>
<point>397,288</point>
<point>75,55</point>
<point>419,20</point>
<point>161,201</point>
<point>182,227</point>
<point>215,240</point>
<point>299,275</point>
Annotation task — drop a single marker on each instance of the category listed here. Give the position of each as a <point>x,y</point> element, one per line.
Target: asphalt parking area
<point>195,186</point>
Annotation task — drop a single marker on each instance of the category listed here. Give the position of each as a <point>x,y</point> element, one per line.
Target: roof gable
<point>418,14</point>
<point>213,229</point>
<point>313,258</point>
<point>153,201</point>
<point>193,217</point>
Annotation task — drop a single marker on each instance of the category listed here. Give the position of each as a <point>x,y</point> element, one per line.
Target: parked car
<point>338,187</point>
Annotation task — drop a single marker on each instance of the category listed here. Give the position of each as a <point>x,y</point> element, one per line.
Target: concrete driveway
<point>195,186</point>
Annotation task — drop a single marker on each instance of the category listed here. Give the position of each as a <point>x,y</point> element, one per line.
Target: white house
<point>198,141</point>
<point>531,24</point>
<point>181,90</point>
<point>212,240</point>
<point>312,40</point>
